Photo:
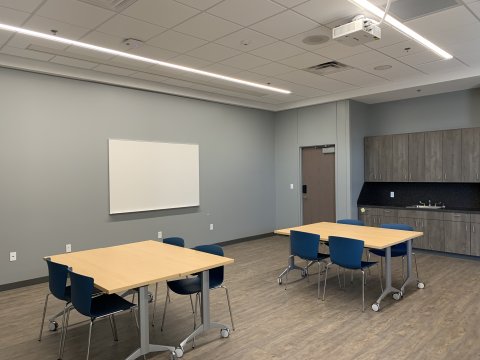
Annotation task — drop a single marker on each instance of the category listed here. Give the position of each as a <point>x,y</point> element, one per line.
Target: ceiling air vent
<point>327,68</point>
<point>114,5</point>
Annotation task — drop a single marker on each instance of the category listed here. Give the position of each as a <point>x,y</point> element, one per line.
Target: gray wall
<point>314,125</point>
<point>54,175</point>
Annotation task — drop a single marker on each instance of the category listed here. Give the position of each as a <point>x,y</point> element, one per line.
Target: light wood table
<point>137,265</point>
<point>374,238</point>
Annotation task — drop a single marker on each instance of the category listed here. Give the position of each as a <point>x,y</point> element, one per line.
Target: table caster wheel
<point>178,352</point>
<point>420,285</point>
<point>53,325</point>
<point>376,307</point>
<point>225,333</point>
<point>304,273</point>
<point>397,296</point>
<point>279,280</point>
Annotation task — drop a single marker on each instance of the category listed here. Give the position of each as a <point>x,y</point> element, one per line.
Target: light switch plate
<point>392,194</point>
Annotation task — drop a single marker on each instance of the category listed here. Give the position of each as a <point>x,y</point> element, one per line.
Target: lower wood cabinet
<point>457,237</point>
<point>475,235</point>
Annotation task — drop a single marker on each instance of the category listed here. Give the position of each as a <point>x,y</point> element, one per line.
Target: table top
<point>123,267</point>
<point>374,237</point>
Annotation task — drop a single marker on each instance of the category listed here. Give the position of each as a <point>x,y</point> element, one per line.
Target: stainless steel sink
<point>432,207</point>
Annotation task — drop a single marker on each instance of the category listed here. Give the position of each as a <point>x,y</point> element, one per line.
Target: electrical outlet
<point>13,256</point>
<point>291,186</point>
<point>68,248</point>
<point>392,194</point>
<point>160,235</point>
<point>211,226</point>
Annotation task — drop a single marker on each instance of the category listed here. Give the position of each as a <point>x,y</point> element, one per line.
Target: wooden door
<point>400,157</point>
<point>318,176</point>
<point>416,157</point>
<point>457,237</point>
<point>471,155</point>
<point>452,155</point>
<point>371,158</point>
<point>385,166</point>
<point>433,156</point>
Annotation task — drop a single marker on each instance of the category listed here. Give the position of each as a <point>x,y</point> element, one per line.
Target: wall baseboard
<point>43,279</point>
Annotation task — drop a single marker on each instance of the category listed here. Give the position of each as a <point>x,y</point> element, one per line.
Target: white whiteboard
<point>152,175</point>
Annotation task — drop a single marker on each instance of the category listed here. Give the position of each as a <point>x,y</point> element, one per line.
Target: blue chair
<point>396,250</point>
<point>347,253</point>
<point>351,222</point>
<point>175,241</point>
<point>105,305</point>
<point>193,285</point>
<point>305,246</point>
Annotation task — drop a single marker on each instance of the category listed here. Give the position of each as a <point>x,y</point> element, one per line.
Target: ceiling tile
<point>399,71</point>
<point>245,40</point>
<point>316,81</point>
<point>199,4</point>
<point>4,36</point>
<point>130,63</point>
<point>175,41</point>
<point>284,25</point>
<point>272,69</point>
<point>166,13</point>
<point>366,58</point>
<point>213,52</point>
<point>73,62</point>
<point>245,61</point>
<point>12,17</point>
<point>113,70</point>
<point>420,58</point>
<point>296,89</point>
<point>45,25</point>
<point>441,66</point>
<point>23,41</point>
<point>250,76</point>
<point>357,77</point>
<point>75,12</point>
<point>284,98</point>
<point>207,27</point>
<point>403,48</point>
<point>105,40</point>
<point>246,12</point>
<point>153,52</point>
<point>25,53</point>
<point>23,5</point>
<point>148,77</point>
<point>475,7</point>
<point>323,31</point>
<point>221,69</point>
<point>389,36</point>
<point>127,27</point>
<point>189,61</point>
<point>304,60</point>
<point>289,3</point>
<point>86,53</point>
<point>325,12</point>
<point>277,51</point>
<point>339,51</point>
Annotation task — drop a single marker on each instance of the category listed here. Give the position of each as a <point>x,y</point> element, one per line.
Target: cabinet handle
<point>466,228</point>
<point>473,228</point>
<point>456,215</point>
<point>410,176</point>
<point>406,176</point>
<point>477,175</point>
<point>375,176</point>
<point>387,211</point>
<point>445,176</point>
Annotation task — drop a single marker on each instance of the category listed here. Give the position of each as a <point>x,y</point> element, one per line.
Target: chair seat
<point>109,303</point>
<point>395,252</point>
<point>320,257</point>
<point>190,285</point>
<point>367,264</point>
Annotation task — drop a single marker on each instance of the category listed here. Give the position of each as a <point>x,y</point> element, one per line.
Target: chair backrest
<point>346,252</point>
<point>304,245</point>
<point>82,288</point>
<point>351,222</point>
<point>57,279</point>
<point>403,246</point>
<point>176,241</point>
<point>216,275</point>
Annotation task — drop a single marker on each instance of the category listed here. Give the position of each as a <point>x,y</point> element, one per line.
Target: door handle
<point>304,189</point>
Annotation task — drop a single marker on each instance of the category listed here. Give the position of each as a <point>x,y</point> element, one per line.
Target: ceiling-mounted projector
<point>360,31</point>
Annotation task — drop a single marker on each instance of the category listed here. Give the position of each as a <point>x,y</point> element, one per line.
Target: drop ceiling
<point>254,40</point>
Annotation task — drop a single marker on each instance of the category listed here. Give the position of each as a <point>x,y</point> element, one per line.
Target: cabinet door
<point>433,156</point>
<point>435,234</point>
<point>400,157</point>
<point>416,157</point>
<point>371,158</point>
<point>420,242</point>
<point>475,239</point>
<point>457,237</point>
<point>385,165</point>
<point>471,155</point>
<point>452,155</point>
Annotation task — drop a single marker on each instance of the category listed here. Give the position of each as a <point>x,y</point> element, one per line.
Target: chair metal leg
<point>64,329</point>
<point>286,274</point>
<point>325,283</point>
<point>155,304</point>
<point>113,325</point>
<point>43,317</point>
<point>64,333</point>
<point>363,291</point>
<point>164,310</point>
<point>318,281</point>
<point>89,337</point>
<point>229,306</point>
<point>338,276</point>
<point>191,302</point>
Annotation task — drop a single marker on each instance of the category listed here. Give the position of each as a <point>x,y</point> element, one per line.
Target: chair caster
<point>225,333</point>
<point>420,285</point>
<point>279,281</point>
<point>150,297</point>
<point>52,325</point>
<point>376,307</point>
<point>397,296</point>
<point>304,273</point>
<point>178,352</point>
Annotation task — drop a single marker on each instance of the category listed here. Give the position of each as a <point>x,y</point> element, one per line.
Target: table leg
<point>411,278</point>
<point>388,280</point>
<point>205,312</point>
<point>143,323</point>
<point>291,266</point>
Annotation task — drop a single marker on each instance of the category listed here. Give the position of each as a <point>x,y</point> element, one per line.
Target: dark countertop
<point>447,209</point>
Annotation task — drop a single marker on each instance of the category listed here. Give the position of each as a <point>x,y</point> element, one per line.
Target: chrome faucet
<point>429,203</point>
<point>422,203</point>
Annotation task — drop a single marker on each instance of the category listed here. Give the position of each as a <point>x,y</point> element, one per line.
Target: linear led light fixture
<point>402,28</point>
<point>136,57</point>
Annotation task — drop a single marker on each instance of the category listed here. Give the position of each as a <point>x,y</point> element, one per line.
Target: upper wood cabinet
<point>433,156</point>
<point>452,155</point>
<point>416,157</point>
<point>378,158</point>
<point>399,158</point>
<point>471,155</point>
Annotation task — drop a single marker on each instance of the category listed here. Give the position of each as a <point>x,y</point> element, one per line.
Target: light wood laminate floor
<point>441,321</point>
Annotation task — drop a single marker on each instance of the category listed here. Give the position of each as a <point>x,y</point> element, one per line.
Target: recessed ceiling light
<point>382,67</point>
<point>101,49</point>
<point>315,39</point>
<point>402,28</point>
